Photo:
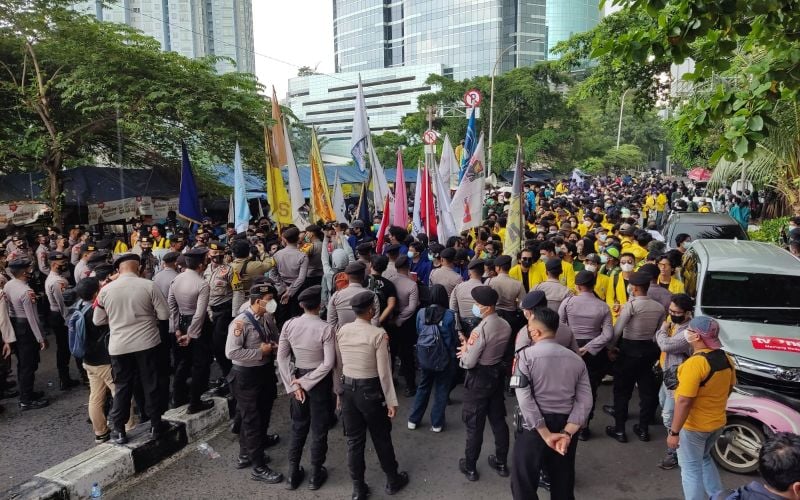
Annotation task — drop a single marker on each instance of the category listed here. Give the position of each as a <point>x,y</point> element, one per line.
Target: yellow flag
<point>515,227</point>
<point>320,195</point>
<point>277,196</point>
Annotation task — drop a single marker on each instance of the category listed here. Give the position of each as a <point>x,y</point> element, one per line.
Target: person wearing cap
<point>26,338</point>
<point>177,243</point>
<point>548,252</point>
<point>482,356</point>
<point>290,272</point>
<point>629,244</point>
<point>510,294</point>
<point>554,405</point>
<point>81,270</point>
<point>358,234</point>
<point>655,292</point>
<point>403,330</point>
<point>137,314</point>
<point>253,383</point>
<point>41,252</point>
<point>57,318</point>
<point>163,278</point>
<point>149,265</point>
<point>383,288</point>
<point>446,275</point>
<point>244,270</point>
<point>20,248</point>
<point>309,342</point>
<point>619,290</point>
<point>526,271</point>
<point>188,303</point>
<point>593,264</point>
<point>340,309</point>
<point>590,321</point>
<point>218,274</point>
<point>367,397</point>
<point>461,300</point>
<point>555,290</point>
<point>634,332</point>
<point>313,248</point>
<point>392,251</point>
<point>704,382</point>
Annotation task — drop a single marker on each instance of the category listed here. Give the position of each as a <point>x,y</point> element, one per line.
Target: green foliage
<point>769,230</point>
<point>627,156</point>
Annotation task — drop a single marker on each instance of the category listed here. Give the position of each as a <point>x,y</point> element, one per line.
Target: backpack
<point>431,352</point>
<point>717,360</point>
<point>76,329</point>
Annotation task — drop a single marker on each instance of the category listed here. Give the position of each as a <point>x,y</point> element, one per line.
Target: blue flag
<point>469,144</point>
<point>363,206</point>
<point>241,209</point>
<point>188,201</point>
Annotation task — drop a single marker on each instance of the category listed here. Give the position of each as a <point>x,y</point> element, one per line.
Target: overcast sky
<point>299,32</point>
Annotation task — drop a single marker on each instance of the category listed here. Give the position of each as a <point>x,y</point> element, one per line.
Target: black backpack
<point>717,360</point>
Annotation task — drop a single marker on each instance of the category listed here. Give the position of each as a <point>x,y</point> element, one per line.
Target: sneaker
<point>412,426</point>
<point>670,460</point>
<point>102,438</point>
<point>436,429</point>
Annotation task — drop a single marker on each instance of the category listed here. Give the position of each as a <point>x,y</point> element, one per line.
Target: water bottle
<point>96,491</point>
<point>207,450</point>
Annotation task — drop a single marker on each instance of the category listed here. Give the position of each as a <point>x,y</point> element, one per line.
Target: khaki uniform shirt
<point>639,319</point>
<point>188,296</point>
<point>461,300</point>
<point>487,342</point>
<point>589,318</point>
<point>218,277</point>
<point>446,277</point>
<point>291,268</point>
<point>163,279</point>
<point>362,352</point>
<point>41,259</point>
<point>243,345</point>
<point>407,298</point>
<point>510,291</point>
<point>22,304</point>
<point>555,293</point>
<point>81,271</point>
<point>54,287</point>
<point>311,343</point>
<point>6,328</point>
<point>340,312</point>
<point>240,281</point>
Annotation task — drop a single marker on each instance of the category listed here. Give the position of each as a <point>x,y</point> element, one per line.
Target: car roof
<point>747,256</point>
<point>701,218</point>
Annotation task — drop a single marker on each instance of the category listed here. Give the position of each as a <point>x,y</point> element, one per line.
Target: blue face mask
<point>430,256</point>
<point>476,311</point>
<point>375,228</point>
<point>411,254</point>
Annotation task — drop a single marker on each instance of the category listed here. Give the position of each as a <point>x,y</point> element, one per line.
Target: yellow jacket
<point>675,285</point>
<point>616,295</point>
<point>535,274</point>
<point>661,202</point>
<point>630,245</point>
<point>561,188</point>
<point>120,247</point>
<point>649,203</point>
<point>601,285</point>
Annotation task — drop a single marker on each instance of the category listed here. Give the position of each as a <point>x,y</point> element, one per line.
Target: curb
<point>109,464</point>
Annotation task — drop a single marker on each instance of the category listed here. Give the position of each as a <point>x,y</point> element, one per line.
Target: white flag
<point>358,141</point>
<point>448,165</point>
<point>445,228</point>
<point>295,189</point>
<point>416,220</point>
<point>339,205</point>
<point>468,201</point>
<point>380,187</point>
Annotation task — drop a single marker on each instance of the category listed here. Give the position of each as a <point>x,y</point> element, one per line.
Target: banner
<point>112,211</point>
<point>21,213</point>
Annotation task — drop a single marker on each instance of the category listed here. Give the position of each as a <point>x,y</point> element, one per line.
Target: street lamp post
<point>491,98</point>
<point>621,107</point>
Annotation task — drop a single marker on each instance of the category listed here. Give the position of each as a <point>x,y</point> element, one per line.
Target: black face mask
<point>147,250</point>
<point>217,259</point>
<point>526,262</point>
<point>677,319</point>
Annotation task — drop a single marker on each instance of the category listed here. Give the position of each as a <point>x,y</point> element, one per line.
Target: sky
<point>299,32</point>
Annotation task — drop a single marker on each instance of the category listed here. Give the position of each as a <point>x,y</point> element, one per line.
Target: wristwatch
<point>564,431</point>
<point>673,433</point>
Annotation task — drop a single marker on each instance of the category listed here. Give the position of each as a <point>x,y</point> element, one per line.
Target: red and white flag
<point>384,226</point>
<point>400,195</point>
<point>468,200</point>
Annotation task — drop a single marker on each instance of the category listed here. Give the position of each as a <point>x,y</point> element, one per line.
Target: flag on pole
<point>277,196</point>
<point>277,146</point>
<point>446,227</point>
<point>188,201</point>
<point>295,189</point>
<point>380,187</point>
<point>321,204</point>
<point>468,200</point>
<point>339,205</point>
<point>400,197</point>
<point>241,208</point>
<point>428,213</point>
<point>515,228</point>
<point>231,210</point>
<point>416,219</point>
<point>469,145</point>
<point>383,227</point>
<point>360,137</point>
<point>448,165</point>
<point>362,213</point>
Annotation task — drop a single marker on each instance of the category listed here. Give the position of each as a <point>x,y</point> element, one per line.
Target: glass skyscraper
<point>466,36</point>
<point>570,17</point>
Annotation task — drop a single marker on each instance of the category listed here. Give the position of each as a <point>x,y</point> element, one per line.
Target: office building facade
<point>570,17</point>
<point>193,28</point>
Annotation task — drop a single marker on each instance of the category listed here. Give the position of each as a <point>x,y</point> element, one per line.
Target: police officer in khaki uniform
<point>482,355</point>
<point>290,272</point>
<point>188,301</point>
<point>340,310</point>
<point>252,380</point>
<point>54,287</point>
<point>461,299</point>
<point>308,341</point>
<point>218,274</point>
<point>533,301</point>
<point>41,253</point>
<point>403,329</point>
<point>367,395</point>
<point>81,270</point>
<point>446,275</point>
<point>27,338</point>
<point>149,263</point>
<point>555,290</point>
<point>244,270</point>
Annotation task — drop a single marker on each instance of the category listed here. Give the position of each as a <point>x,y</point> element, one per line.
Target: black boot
<point>319,474</point>
<point>360,490</point>
<point>295,477</point>
<point>396,483</point>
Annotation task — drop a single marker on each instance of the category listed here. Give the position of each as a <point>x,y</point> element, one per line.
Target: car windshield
<point>767,298</point>
<point>711,231</point>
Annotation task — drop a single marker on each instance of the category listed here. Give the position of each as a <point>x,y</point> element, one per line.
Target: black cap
<point>88,247</point>
<point>105,243</point>
<point>197,252</point>
<point>355,268</point>
<point>358,223</point>
<point>489,263</point>
<point>402,262</point>
<point>99,256</point>
<point>448,253</point>
<point>484,295</point>
<point>392,248</point>
<point>262,289</point>
<point>311,296</point>
<point>362,299</point>
<point>178,239</point>
<point>103,271</point>
<point>533,299</point>
<point>639,279</point>
<point>365,249</point>
<point>477,264</point>
<point>585,278</point>
<point>170,257</point>
<point>125,256</point>
<point>554,266</point>
<point>20,263</point>
<point>216,245</point>
<point>502,261</point>
<point>56,255</point>
<point>650,270</point>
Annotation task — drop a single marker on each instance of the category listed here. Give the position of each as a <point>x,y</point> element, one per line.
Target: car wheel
<point>737,448</point>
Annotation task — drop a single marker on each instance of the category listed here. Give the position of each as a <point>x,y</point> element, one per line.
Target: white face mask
<point>626,267</point>
<point>689,336</point>
<point>271,306</point>
<point>591,268</point>
<point>602,237</point>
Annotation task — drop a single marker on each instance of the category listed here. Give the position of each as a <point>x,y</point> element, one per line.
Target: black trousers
<point>127,369</point>
<point>255,391</point>
<point>516,320</point>
<point>312,415</point>
<point>483,398</point>
<point>401,344</point>
<point>635,367</point>
<point>56,323</point>
<point>193,360</point>
<point>27,350</point>
<point>364,408</point>
<point>531,454</point>
<point>219,327</point>
<point>597,366</point>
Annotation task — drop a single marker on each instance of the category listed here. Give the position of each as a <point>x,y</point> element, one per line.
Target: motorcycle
<point>754,414</point>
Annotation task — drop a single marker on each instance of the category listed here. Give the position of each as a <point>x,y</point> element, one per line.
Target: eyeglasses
<point>676,313</point>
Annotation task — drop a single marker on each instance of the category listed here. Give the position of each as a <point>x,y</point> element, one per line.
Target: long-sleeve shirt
<point>315,259</point>
<point>563,337</point>
<point>423,268</point>
<point>674,348</point>
<point>132,307</point>
<point>41,259</point>
<point>6,328</point>
<point>510,292</point>
<point>163,279</point>
<point>555,292</point>
<point>639,319</point>
<point>311,342</point>
<point>54,287</point>
<point>660,295</point>
<point>589,319</point>
<point>447,277</point>
<point>22,304</point>
<point>188,296</point>
<point>461,300</point>
<point>362,352</point>
<point>243,344</point>
<point>407,298</point>
<point>487,342</point>
<point>340,310</point>
<point>559,384</point>
<point>291,267</point>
